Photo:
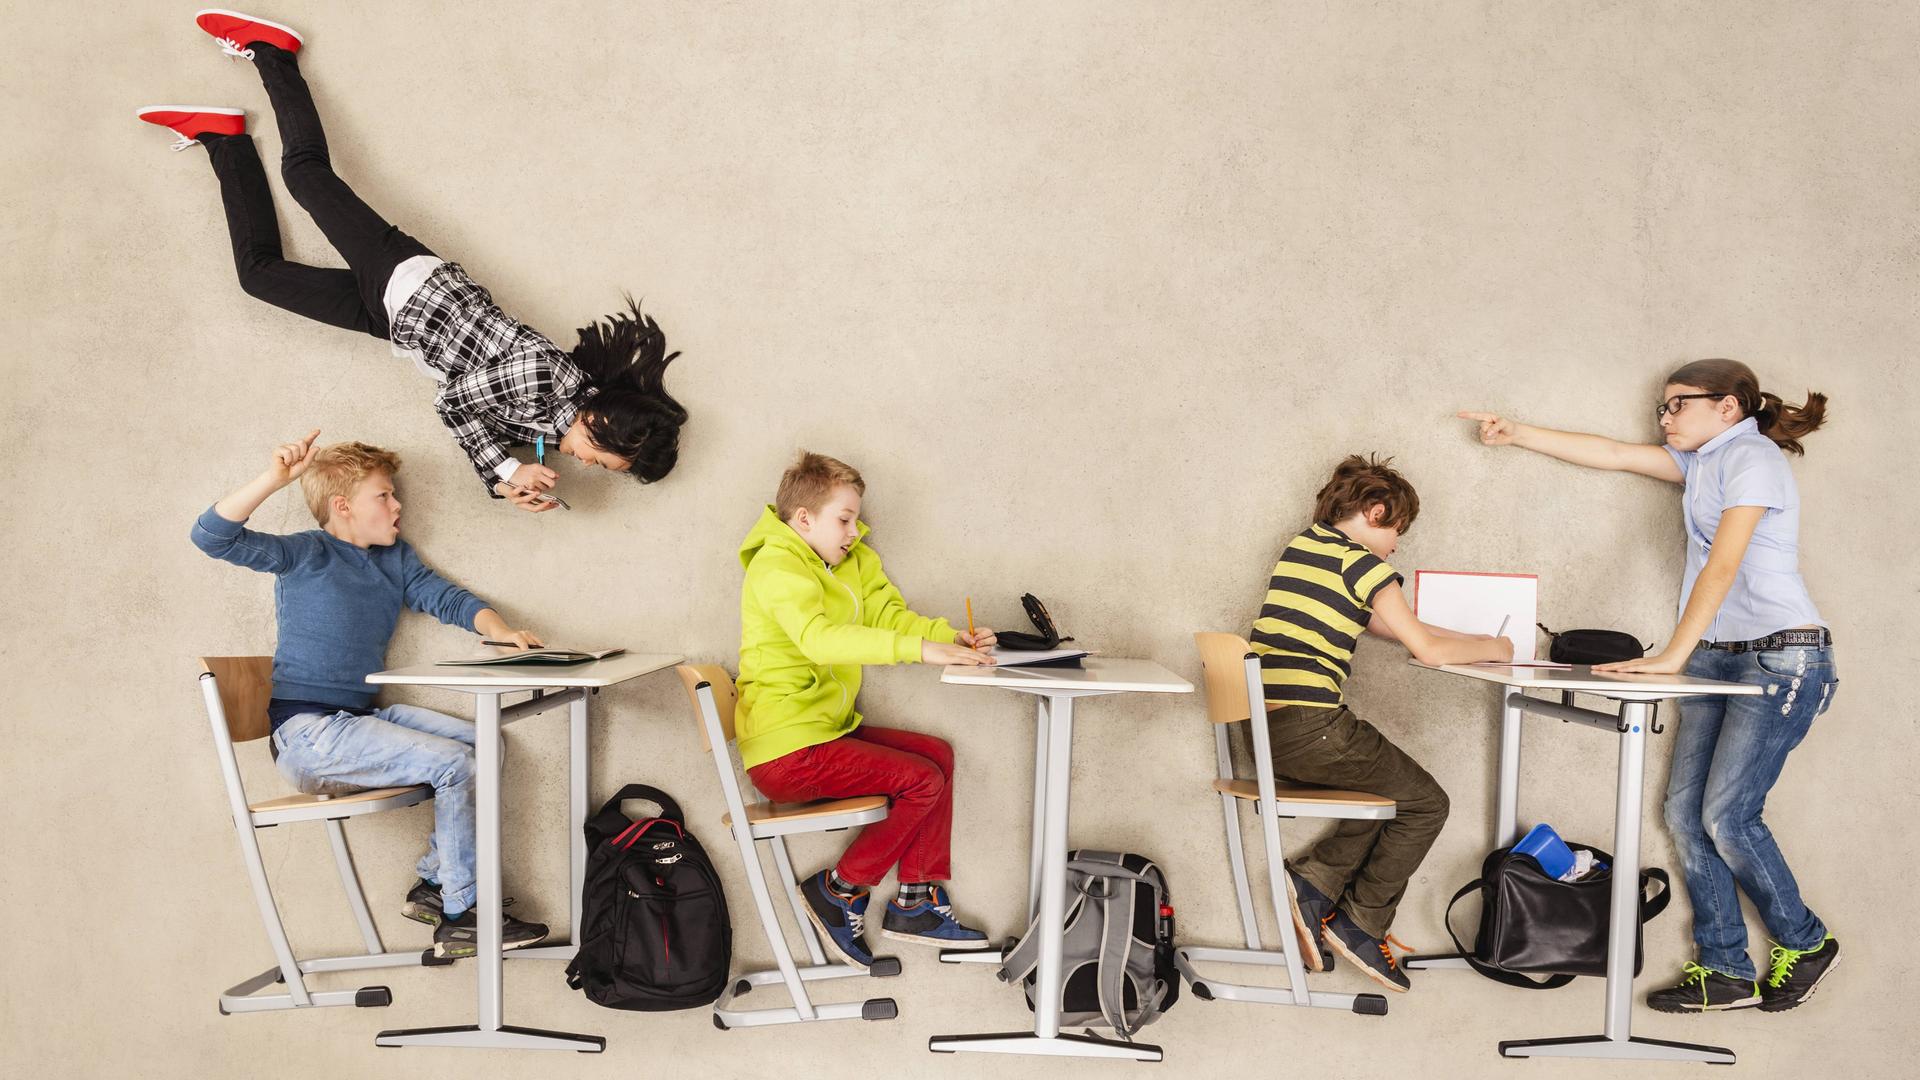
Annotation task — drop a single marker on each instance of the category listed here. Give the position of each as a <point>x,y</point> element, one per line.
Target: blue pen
<point>540,449</point>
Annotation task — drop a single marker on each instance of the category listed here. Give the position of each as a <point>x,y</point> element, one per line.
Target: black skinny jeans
<point>350,298</point>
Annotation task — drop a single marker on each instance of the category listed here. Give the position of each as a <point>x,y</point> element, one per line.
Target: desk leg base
<point>1599,1046</point>
<point>974,956</point>
<point>1026,1042</point>
<point>506,1038</point>
<point>1434,961</point>
<point>566,950</point>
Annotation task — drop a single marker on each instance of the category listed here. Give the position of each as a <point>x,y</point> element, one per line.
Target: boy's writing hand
<point>1495,430</point>
<point>978,638</point>
<point>1502,648</point>
<point>290,459</point>
<point>936,652</point>
<point>526,639</point>
<point>492,627</point>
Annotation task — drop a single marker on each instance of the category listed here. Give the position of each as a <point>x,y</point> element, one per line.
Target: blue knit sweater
<point>336,604</point>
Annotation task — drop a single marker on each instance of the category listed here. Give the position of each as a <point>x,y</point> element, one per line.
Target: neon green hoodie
<point>805,630</point>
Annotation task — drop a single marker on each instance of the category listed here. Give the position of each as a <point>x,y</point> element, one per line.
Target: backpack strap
<point>1499,975</point>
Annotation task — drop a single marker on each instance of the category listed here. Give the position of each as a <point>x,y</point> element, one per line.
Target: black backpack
<point>656,934</point>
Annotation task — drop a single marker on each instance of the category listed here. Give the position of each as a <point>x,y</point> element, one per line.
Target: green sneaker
<point>1705,990</point>
<point>1794,973</point>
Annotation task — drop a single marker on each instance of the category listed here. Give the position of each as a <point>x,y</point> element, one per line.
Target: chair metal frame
<point>236,709</point>
<point>1231,687</point>
<point>711,691</point>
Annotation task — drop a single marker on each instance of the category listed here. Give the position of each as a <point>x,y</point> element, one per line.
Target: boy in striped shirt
<point>1332,582</point>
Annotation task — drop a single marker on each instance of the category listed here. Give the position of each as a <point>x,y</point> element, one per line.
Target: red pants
<point>914,770</point>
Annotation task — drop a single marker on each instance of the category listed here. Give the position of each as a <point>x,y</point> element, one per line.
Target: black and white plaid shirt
<point>503,382</point>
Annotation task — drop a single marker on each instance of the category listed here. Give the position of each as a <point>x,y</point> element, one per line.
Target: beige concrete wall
<point>1094,294</point>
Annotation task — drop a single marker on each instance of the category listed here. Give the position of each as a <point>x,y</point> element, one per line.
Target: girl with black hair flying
<point>502,383</point>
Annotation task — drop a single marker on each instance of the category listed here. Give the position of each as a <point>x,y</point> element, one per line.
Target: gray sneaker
<point>424,904</point>
<point>460,936</point>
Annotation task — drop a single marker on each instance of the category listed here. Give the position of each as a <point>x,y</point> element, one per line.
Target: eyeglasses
<point>1673,404</point>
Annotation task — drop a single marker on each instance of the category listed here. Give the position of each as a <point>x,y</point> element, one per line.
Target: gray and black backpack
<point>1117,961</point>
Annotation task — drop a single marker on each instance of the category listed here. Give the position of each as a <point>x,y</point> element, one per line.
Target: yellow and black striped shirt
<point>1318,602</point>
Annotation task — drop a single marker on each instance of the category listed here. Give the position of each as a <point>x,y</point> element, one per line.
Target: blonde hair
<point>338,469</point>
<point>810,481</point>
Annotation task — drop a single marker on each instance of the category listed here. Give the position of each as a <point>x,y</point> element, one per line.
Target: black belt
<point>1821,639</point>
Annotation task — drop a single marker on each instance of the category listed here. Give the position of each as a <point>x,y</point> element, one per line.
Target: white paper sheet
<point>1477,603</point>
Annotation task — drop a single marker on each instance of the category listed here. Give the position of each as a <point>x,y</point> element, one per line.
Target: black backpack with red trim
<point>655,934</point>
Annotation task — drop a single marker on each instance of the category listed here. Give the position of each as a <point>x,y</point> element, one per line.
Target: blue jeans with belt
<point>329,753</point>
<point>1726,756</point>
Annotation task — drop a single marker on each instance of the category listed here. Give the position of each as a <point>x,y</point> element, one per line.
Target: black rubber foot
<point>879,1009</point>
<point>223,1010</point>
<point>428,958</point>
<point>719,1023</point>
<point>740,989</point>
<point>884,967</point>
<point>1200,991</point>
<point>372,997</point>
<point>1370,1004</point>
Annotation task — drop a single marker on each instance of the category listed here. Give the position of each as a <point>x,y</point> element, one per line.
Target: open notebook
<point>1039,657</point>
<point>536,656</point>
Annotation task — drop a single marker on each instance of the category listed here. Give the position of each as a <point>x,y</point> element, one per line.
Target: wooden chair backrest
<point>246,684</point>
<point>715,676</point>
<point>1223,665</point>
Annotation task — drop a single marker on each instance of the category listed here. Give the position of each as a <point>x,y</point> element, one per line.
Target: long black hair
<point>625,359</point>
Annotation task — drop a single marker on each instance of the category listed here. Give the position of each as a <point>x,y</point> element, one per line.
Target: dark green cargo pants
<point>1363,865</point>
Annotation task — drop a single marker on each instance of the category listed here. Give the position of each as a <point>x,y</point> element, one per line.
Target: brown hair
<point>1360,482</point>
<point>338,469</point>
<point>1779,421</point>
<point>810,481</point>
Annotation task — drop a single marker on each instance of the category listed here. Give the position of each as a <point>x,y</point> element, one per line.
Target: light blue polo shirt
<point>1741,467</point>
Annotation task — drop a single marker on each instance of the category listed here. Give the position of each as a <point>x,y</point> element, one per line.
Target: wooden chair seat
<point>767,812</point>
<point>309,807</point>
<point>1301,793</point>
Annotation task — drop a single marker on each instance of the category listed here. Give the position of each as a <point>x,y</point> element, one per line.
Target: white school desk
<point>1637,696</point>
<point>487,685</point>
<point>1056,688</point>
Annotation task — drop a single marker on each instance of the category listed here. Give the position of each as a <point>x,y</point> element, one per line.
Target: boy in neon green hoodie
<point>816,607</point>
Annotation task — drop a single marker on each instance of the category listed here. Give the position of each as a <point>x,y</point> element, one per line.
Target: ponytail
<point>1783,423</point>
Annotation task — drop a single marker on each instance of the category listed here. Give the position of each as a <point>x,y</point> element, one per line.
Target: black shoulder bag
<point>1531,923</point>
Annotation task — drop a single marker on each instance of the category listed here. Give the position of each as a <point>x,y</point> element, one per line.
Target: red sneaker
<point>187,121</point>
<point>236,32</point>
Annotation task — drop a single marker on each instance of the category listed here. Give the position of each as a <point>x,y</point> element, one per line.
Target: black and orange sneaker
<point>1704,990</point>
<point>1793,974</point>
<point>1310,909</point>
<point>1371,954</point>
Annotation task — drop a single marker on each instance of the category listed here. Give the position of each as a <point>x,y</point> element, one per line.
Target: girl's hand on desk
<point>1651,665</point>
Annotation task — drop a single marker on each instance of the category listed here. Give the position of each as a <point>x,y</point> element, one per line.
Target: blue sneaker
<point>841,919</point>
<point>930,922</point>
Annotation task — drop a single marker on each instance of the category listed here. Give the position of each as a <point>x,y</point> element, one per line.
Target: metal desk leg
<point>1622,932</point>
<point>490,1032</point>
<point>1034,846</point>
<point>1046,1037</point>
<point>578,778</point>
<point>1506,818</point>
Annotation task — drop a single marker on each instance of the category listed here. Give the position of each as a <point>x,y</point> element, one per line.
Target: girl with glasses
<point>1745,616</point>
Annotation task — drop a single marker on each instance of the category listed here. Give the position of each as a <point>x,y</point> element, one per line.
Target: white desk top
<point>1100,673</point>
<point>1583,679</point>
<point>612,670</point>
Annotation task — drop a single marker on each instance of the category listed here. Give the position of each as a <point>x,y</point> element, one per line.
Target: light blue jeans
<point>1726,756</point>
<point>330,753</point>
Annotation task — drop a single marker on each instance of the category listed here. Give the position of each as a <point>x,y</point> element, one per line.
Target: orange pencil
<point>969,618</point>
